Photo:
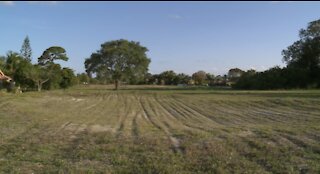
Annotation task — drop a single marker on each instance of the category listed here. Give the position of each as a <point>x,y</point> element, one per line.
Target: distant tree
<point>68,78</point>
<point>53,72</point>
<point>304,54</point>
<point>182,78</point>
<point>273,78</point>
<point>251,71</point>
<point>119,59</point>
<point>154,79</point>
<point>2,68</point>
<point>26,51</point>
<point>233,76</point>
<point>46,69</point>
<point>218,80</point>
<point>303,65</point>
<point>234,73</point>
<point>168,77</point>
<point>16,67</point>
<point>2,62</point>
<point>37,75</point>
<point>147,78</point>
<point>83,78</point>
<point>199,77</point>
<point>210,79</point>
<point>12,61</point>
<point>51,54</point>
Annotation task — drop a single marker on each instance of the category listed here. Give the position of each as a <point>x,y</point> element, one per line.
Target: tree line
<point>113,62</point>
<point>123,61</point>
<point>302,69</point>
<point>45,74</point>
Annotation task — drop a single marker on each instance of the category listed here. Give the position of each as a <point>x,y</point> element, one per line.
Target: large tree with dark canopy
<point>46,69</point>
<point>304,54</point>
<point>51,54</point>
<point>120,60</point>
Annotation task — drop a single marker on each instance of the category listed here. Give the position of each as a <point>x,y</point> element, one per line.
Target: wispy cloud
<point>42,2</point>
<point>6,2</point>
<point>278,2</point>
<point>10,3</point>
<point>175,16</point>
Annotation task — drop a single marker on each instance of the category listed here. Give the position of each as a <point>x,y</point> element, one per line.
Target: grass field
<point>155,130</point>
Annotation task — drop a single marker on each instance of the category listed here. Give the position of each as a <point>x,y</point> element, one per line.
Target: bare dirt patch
<point>77,99</point>
<point>245,133</point>
<point>99,128</point>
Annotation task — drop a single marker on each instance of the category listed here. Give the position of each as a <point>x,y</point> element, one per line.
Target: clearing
<point>153,130</point>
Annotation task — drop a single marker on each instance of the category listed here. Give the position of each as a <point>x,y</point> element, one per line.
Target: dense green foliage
<point>51,54</point>
<point>119,60</point>
<point>199,77</point>
<point>44,75</point>
<point>303,65</point>
<point>126,61</point>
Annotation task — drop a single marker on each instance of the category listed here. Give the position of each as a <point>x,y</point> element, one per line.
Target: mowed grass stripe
<point>176,115</point>
<point>163,131</point>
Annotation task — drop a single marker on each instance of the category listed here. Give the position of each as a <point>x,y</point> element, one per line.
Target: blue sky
<point>181,36</point>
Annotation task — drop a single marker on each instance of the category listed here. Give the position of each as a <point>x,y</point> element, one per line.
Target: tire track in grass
<point>131,115</point>
<point>161,102</point>
<point>192,111</point>
<point>256,113</point>
<point>166,118</point>
<point>137,124</point>
<point>89,122</point>
<point>83,117</point>
<point>253,111</point>
<point>302,106</point>
<point>143,121</point>
<point>287,110</point>
<point>286,113</point>
<point>144,113</point>
<point>209,113</point>
<point>148,115</point>
<point>174,114</point>
<point>110,111</point>
<point>232,114</point>
<point>181,110</point>
<point>161,111</point>
<point>267,117</point>
<point>243,116</point>
<point>154,118</point>
<point>293,112</point>
<point>265,107</point>
<point>205,124</point>
<point>68,108</point>
<point>215,112</point>
<point>124,111</point>
<point>174,126</point>
<point>242,111</point>
<point>258,152</point>
<point>135,128</point>
<point>303,143</point>
<point>64,114</point>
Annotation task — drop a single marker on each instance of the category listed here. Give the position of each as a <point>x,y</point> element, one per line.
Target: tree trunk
<point>39,86</point>
<point>41,83</point>
<point>116,83</point>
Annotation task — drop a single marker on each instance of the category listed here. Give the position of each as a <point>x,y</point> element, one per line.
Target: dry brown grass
<point>94,129</point>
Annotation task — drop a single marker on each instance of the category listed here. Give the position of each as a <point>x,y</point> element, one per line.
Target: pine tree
<point>26,51</point>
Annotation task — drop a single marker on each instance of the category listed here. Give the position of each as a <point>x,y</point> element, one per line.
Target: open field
<point>153,130</point>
